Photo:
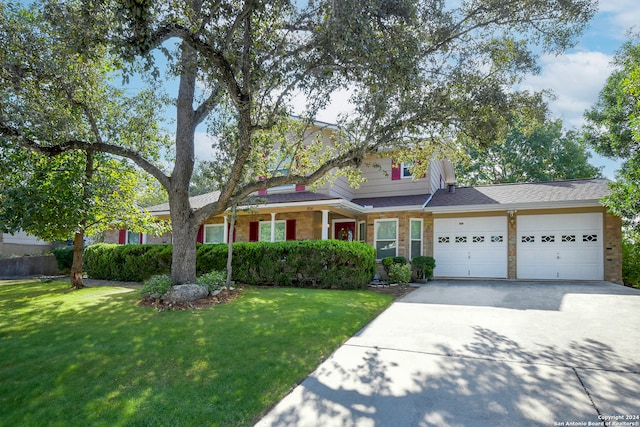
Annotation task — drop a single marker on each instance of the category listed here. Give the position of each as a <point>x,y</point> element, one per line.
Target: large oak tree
<point>613,129</point>
<point>422,77</point>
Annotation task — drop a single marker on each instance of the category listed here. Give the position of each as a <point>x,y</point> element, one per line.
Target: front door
<point>345,230</point>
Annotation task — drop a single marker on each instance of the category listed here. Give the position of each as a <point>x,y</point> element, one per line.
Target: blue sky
<point>577,76</point>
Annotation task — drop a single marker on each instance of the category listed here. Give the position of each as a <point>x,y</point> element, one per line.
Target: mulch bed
<point>223,297</point>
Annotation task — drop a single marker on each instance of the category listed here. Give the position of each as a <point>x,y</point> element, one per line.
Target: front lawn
<point>93,357</point>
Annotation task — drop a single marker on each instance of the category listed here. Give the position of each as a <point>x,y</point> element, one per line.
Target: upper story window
<point>405,170</point>
<point>281,168</point>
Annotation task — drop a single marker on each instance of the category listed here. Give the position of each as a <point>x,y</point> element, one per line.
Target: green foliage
<point>613,129</point>
<point>387,262</point>
<point>134,263</point>
<point>631,263</point>
<point>313,263</point>
<point>156,286</point>
<point>213,280</point>
<point>531,152</point>
<point>424,266</point>
<point>400,273</point>
<point>64,257</point>
<point>52,94</point>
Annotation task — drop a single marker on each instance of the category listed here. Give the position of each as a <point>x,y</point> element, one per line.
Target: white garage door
<point>470,247</point>
<point>566,246</point>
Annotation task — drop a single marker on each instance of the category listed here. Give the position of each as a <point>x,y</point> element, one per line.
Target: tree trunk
<point>78,262</point>
<point>184,228</point>
<point>232,227</point>
<point>185,233</point>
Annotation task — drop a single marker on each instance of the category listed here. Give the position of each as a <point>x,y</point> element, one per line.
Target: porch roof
<point>392,201</point>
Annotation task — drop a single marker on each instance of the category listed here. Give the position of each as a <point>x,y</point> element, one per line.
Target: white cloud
<point>203,149</point>
<point>621,14</point>
<point>339,104</point>
<point>576,79</point>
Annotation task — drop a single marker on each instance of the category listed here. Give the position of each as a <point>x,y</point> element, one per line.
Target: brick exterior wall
<point>612,248</point>
<point>512,247</point>
<point>309,227</point>
<point>404,232</point>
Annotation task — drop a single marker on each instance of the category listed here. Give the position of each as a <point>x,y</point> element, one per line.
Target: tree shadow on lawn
<point>505,385</point>
<point>106,361</point>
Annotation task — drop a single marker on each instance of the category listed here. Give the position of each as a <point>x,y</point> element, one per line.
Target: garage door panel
<point>560,246</point>
<point>470,247</point>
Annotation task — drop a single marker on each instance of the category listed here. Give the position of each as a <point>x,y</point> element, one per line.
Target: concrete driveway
<point>483,353</point>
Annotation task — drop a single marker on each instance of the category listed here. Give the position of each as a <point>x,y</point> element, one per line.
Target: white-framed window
<point>415,232</point>
<point>134,238</point>
<point>385,237</point>
<point>281,168</point>
<point>362,231</point>
<point>214,233</point>
<point>264,231</point>
<point>405,170</point>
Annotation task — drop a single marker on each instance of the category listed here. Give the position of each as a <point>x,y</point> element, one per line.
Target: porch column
<point>325,224</point>
<point>225,235</point>
<point>273,226</point>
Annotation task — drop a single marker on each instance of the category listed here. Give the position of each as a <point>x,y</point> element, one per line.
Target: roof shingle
<point>534,192</point>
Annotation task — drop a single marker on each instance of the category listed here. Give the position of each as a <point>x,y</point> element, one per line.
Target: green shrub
<point>631,263</point>
<point>213,280</point>
<point>424,266</point>
<point>156,286</point>
<point>400,273</point>
<point>134,263</point>
<point>315,263</point>
<point>64,257</point>
<point>387,262</point>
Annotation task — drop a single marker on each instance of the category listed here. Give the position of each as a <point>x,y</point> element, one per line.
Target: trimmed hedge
<point>130,263</point>
<point>64,257</point>
<point>311,264</point>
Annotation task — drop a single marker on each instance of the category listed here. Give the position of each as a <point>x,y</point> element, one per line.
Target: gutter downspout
<point>427,202</point>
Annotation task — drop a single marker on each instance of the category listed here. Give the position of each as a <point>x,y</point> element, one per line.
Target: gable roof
<point>578,192</point>
<point>558,194</point>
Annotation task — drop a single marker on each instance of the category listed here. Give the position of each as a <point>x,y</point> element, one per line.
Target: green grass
<point>93,357</point>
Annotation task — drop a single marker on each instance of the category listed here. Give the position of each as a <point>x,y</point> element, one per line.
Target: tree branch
<point>56,150</point>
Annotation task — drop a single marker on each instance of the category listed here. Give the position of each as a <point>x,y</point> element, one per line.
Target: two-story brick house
<point>554,230</point>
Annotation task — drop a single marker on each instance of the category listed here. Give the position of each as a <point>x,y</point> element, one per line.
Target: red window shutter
<point>262,192</point>
<point>141,238</point>
<point>395,170</point>
<point>300,187</point>
<point>291,229</point>
<point>200,237</point>
<point>253,231</point>
<point>122,237</point>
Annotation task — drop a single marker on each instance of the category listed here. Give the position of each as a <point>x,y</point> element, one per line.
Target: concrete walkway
<point>483,353</point>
